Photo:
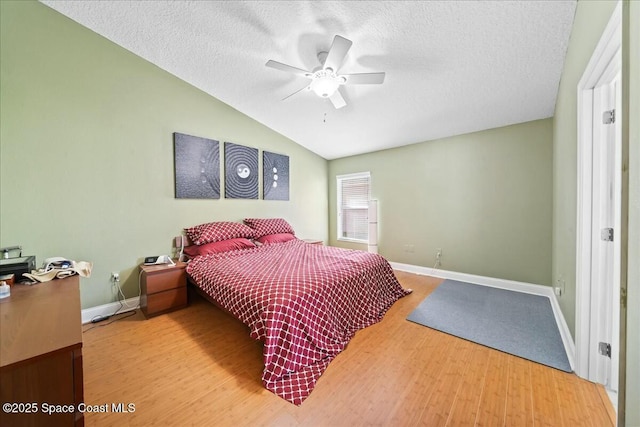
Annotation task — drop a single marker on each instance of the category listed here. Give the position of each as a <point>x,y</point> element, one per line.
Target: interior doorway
<point>599,212</point>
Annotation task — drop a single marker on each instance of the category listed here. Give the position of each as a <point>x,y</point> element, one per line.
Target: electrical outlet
<point>438,257</point>
<point>559,288</point>
<point>115,277</point>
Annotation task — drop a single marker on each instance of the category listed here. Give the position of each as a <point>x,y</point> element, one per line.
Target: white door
<point>605,265</point>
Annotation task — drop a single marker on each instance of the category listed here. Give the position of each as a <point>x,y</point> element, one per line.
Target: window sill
<point>344,239</point>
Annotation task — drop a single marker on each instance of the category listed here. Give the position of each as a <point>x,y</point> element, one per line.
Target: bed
<point>303,301</point>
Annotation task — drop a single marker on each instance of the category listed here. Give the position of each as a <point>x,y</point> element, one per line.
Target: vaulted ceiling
<point>452,67</point>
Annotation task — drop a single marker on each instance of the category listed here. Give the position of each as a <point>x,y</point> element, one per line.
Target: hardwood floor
<point>198,366</point>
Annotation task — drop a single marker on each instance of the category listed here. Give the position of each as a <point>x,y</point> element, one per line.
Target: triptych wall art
<point>197,170</point>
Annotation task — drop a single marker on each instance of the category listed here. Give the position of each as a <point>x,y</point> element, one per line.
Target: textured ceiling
<point>452,67</point>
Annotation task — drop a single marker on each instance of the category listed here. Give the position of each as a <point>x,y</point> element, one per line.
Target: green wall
<point>484,198</point>
<point>589,23</point>
<point>87,152</point>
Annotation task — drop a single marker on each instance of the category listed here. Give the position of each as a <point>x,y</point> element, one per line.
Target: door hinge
<point>606,234</point>
<point>604,348</point>
<point>609,117</point>
<point>623,297</point>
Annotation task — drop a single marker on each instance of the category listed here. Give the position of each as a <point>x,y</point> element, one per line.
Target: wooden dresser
<point>41,354</point>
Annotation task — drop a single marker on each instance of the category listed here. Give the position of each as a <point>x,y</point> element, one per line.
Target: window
<point>353,206</point>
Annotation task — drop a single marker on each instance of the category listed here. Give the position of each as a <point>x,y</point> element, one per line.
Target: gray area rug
<point>514,322</point>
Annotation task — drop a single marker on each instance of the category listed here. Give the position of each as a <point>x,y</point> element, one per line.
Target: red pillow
<point>264,227</point>
<point>217,247</point>
<point>276,238</point>
<point>217,232</point>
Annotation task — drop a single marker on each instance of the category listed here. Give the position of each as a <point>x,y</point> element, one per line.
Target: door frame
<point>607,50</point>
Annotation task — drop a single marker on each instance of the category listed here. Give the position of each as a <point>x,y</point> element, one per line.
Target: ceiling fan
<point>325,80</point>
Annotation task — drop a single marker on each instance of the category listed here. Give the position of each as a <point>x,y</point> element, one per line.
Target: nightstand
<point>313,241</point>
<point>163,288</point>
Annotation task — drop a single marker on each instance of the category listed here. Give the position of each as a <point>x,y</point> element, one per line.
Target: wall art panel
<point>275,176</point>
<point>197,167</point>
<point>240,171</point>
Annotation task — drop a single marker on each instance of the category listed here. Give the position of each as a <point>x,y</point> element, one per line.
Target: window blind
<point>353,205</point>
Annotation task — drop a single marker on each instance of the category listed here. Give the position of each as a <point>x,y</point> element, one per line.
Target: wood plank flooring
<point>198,366</point>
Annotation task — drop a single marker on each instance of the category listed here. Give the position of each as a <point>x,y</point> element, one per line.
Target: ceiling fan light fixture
<point>325,80</point>
<point>325,86</point>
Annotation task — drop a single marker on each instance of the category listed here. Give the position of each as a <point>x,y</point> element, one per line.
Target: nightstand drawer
<point>163,288</point>
<point>165,301</point>
<point>163,280</point>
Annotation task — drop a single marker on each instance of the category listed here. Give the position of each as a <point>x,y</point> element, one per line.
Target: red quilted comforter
<point>304,301</point>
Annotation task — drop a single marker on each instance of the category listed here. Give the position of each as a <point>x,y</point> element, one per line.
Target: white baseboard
<point>613,398</point>
<point>512,285</point>
<point>129,304</point>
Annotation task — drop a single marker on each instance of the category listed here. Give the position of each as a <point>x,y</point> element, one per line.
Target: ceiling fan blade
<point>287,68</point>
<point>299,90</point>
<point>337,100</point>
<point>337,52</point>
<point>364,78</point>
